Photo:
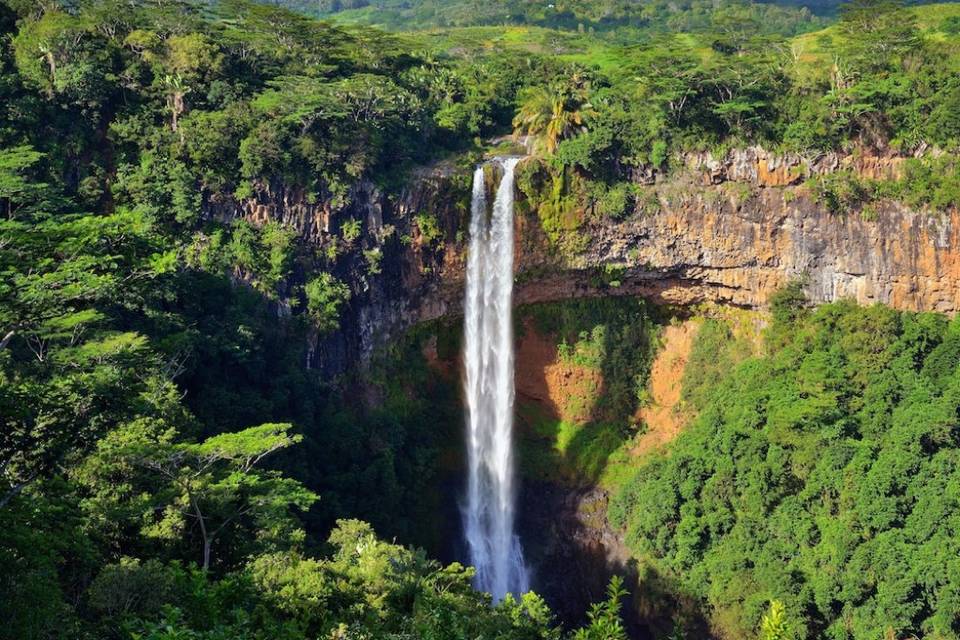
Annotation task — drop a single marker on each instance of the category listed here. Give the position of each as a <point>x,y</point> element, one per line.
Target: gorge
<point>728,231</point>
<point>421,319</point>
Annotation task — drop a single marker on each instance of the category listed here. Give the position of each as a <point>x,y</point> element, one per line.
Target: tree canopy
<point>820,477</point>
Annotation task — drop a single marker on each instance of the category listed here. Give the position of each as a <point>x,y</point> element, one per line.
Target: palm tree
<point>551,115</point>
<point>177,88</point>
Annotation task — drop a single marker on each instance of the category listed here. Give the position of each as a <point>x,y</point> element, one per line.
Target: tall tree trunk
<point>207,543</point>
<point>51,64</point>
<point>177,107</point>
<point>207,538</point>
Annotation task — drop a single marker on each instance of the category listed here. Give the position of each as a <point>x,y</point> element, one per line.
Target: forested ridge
<point>172,468</point>
<point>616,19</point>
<point>817,485</point>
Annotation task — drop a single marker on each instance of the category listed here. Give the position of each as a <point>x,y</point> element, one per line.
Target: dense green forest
<point>821,476</point>
<point>618,20</point>
<point>170,468</point>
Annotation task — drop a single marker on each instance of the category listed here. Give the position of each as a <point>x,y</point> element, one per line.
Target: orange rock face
<point>560,387</point>
<point>737,243</point>
<point>708,247</point>
<point>758,167</point>
<point>662,416</point>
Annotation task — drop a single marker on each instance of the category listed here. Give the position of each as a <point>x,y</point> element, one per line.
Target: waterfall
<point>488,386</point>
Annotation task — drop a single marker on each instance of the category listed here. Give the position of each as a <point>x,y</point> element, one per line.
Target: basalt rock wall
<point>730,230</point>
<point>709,244</point>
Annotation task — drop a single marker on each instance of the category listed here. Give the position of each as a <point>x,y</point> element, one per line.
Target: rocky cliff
<point>729,230</point>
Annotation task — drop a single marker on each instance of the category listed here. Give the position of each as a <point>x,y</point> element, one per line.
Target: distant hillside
<point>826,7</point>
<point>624,19</point>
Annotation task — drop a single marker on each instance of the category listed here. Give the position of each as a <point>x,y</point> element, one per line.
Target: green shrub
<point>619,200</point>
<point>325,295</point>
<point>131,587</point>
<point>373,257</point>
<point>951,25</point>
<point>351,230</point>
<point>429,227</point>
<point>931,182</point>
<point>841,192</point>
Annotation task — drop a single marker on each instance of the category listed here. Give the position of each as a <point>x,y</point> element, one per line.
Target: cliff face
<point>734,231</point>
<point>730,230</point>
<point>414,277</point>
<point>708,244</point>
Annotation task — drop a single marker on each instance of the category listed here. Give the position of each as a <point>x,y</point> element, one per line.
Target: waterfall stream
<point>488,386</point>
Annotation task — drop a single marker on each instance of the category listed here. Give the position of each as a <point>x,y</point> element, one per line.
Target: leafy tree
<point>213,486</point>
<point>554,114</point>
<point>179,62</point>
<point>17,189</point>
<point>669,77</point>
<point>59,348</point>
<point>876,33</point>
<point>788,305</point>
<point>59,55</point>
<point>604,617</point>
<point>325,295</point>
<point>772,627</point>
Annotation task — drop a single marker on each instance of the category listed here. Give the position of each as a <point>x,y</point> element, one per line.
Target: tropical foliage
<point>818,477</point>
<point>173,464</point>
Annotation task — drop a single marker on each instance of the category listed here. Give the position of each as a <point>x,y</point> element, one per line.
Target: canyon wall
<point>711,244</point>
<point>730,230</point>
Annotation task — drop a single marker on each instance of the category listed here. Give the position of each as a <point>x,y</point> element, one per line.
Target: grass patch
<point>563,452</point>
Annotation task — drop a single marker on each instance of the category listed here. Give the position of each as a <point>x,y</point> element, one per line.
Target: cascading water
<point>488,385</point>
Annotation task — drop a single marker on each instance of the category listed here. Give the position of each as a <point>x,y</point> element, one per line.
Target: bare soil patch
<point>663,416</point>
<point>568,391</point>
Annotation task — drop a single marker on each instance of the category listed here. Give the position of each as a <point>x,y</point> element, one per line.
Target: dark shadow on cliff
<point>573,554</point>
<point>602,349</point>
<point>372,440</point>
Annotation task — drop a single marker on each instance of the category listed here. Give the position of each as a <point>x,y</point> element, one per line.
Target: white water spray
<point>488,385</point>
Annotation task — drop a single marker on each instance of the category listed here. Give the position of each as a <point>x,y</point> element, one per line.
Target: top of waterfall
<point>501,161</point>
